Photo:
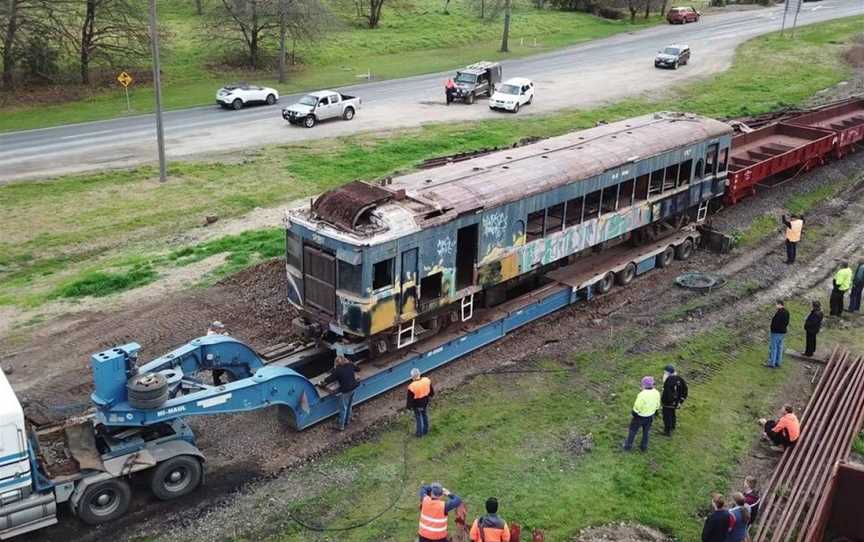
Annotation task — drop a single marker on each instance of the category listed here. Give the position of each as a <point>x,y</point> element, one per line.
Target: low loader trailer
<point>136,427</point>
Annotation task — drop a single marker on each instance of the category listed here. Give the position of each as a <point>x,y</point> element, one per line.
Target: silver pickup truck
<point>321,105</point>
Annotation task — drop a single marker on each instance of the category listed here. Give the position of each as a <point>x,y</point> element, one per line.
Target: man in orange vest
<point>794,225</point>
<point>490,528</point>
<point>784,432</point>
<point>419,392</point>
<point>433,512</point>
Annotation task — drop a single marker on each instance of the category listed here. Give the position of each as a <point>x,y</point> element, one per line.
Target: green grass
<point>99,283</point>
<point>417,38</point>
<point>59,230</point>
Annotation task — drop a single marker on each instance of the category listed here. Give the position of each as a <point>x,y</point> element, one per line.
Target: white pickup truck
<point>321,105</point>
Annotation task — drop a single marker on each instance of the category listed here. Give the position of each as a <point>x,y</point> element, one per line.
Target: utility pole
<point>506,36</point>
<point>157,85</point>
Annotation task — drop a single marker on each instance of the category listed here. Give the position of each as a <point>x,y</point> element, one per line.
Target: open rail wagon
<point>845,119</point>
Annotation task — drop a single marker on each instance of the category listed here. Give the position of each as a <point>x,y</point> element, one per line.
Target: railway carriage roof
<point>429,197</point>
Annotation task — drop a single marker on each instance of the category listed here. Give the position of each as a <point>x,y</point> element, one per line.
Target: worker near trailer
<point>420,391</point>
<point>857,286</point>
<point>345,373</point>
<point>490,528</point>
<point>779,326</point>
<point>812,326</point>
<point>217,328</point>
<point>435,503</point>
<point>449,90</point>
<point>644,409</point>
<point>673,396</point>
<point>842,284</point>
<point>794,225</point>
<point>741,519</point>
<point>719,522</point>
<point>784,432</point>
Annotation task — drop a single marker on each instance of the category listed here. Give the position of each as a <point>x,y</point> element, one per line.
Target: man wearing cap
<point>490,528</point>
<point>644,409</point>
<point>674,395</point>
<point>433,512</point>
<point>217,328</point>
<point>419,392</point>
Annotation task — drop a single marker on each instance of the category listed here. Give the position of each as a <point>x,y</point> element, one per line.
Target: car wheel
<point>104,501</point>
<point>469,99</point>
<point>348,114</point>
<point>271,99</point>
<point>309,121</point>
<point>176,477</point>
<point>237,104</point>
<point>516,108</point>
<point>675,66</point>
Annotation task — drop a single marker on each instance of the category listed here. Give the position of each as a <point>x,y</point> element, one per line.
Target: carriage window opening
<point>711,160</point>
<point>430,287</point>
<point>554,218</point>
<point>382,274</point>
<point>698,169</point>
<point>519,232</point>
<point>350,277</point>
<point>293,249</point>
<point>625,194</point>
<point>641,188</point>
<point>670,181</point>
<point>609,199</point>
<point>573,214</point>
<point>534,229</point>
<point>685,172</point>
<point>592,206</point>
<point>656,182</point>
<point>724,160</point>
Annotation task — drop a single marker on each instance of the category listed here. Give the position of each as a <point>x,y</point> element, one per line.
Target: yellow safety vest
<point>843,278</point>
<point>793,232</point>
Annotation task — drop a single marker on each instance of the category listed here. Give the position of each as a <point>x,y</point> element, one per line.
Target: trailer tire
<point>664,259</point>
<point>104,501</point>
<point>147,391</point>
<point>684,250</point>
<point>603,285</point>
<point>176,477</point>
<point>626,275</point>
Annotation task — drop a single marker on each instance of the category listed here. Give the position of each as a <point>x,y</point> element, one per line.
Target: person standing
<point>741,519</point>
<point>673,396</point>
<point>217,328</point>
<point>449,90</point>
<point>420,390</point>
<point>784,432</point>
<point>857,286</point>
<point>811,327</point>
<point>794,225</point>
<point>490,528</point>
<point>751,496</point>
<point>842,284</point>
<point>718,523</point>
<point>345,373</point>
<point>779,325</point>
<point>433,512</point>
<point>644,409</point>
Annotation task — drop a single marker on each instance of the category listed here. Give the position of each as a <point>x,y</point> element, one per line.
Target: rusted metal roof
<point>348,204</point>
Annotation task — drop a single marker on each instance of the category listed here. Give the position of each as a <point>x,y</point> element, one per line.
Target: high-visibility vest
<point>420,388</point>
<point>793,232</point>
<point>843,278</point>
<point>433,519</point>
<point>490,534</point>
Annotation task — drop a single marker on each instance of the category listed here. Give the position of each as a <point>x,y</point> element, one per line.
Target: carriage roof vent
<point>351,205</point>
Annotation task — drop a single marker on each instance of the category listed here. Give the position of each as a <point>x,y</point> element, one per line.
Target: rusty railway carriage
<point>377,266</point>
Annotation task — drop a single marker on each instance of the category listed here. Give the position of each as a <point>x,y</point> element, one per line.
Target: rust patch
<point>350,204</point>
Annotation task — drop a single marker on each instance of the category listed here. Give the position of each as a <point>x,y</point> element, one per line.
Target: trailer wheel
<point>684,250</point>
<point>664,259</point>
<point>104,501</point>
<point>605,284</point>
<point>626,275</point>
<point>147,391</point>
<point>176,477</point>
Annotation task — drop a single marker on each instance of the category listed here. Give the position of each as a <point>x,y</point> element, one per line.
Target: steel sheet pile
<point>829,423</point>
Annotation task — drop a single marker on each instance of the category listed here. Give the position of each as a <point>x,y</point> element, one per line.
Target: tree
<point>252,20</point>
<point>298,19</point>
<point>633,7</point>
<point>505,37</point>
<point>647,8</point>
<point>9,16</point>
<point>370,11</point>
<point>199,8</point>
<point>19,24</point>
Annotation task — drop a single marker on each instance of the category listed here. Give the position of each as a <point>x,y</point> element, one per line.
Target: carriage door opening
<point>408,283</point>
<point>466,255</point>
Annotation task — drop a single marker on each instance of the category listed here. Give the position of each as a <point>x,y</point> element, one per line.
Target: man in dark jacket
<point>857,287</point>
<point>344,372</point>
<point>719,523</point>
<point>779,324</point>
<point>811,327</point>
<point>673,396</point>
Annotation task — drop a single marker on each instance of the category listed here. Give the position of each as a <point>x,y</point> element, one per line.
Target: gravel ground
<point>621,532</point>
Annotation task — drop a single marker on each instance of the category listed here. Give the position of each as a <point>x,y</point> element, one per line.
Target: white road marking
<point>76,136</point>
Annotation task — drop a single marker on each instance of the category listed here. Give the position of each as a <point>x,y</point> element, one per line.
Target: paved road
<point>579,76</point>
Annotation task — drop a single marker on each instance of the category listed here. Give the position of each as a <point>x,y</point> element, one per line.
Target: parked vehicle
<point>512,94</point>
<point>237,95</point>
<point>321,105</point>
<point>476,80</point>
<point>672,56</point>
<point>683,15</point>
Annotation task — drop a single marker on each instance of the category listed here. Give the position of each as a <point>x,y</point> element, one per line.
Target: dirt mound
<point>621,532</point>
<point>855,55</point>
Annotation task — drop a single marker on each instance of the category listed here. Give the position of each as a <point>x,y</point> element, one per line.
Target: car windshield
<point>670,51</point>
<point>509,89</point>
<point>308,100</point>
<point>466,78</point>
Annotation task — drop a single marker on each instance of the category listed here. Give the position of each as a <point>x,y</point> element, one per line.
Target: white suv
<point>237,95</point>
<point>512,94</point>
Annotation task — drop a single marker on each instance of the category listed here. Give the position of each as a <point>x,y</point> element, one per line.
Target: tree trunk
<point>663,8</point>
<point>199,9</point>
<point>482,9</point>
<point>253,37</point>
<point>8,44</point>
<point>375,7</point>
<point>505,37</point>
<point>647,8</point>
<point>283,35</point>
<point>87,40</point>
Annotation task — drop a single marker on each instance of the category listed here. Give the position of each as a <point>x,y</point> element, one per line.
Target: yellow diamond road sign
<point>124,79</point>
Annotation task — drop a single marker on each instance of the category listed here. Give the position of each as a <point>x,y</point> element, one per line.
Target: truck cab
<point>476,80</point>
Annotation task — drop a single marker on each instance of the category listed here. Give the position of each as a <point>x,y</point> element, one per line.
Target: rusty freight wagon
<point>374,267</point>
<point>845,119</point>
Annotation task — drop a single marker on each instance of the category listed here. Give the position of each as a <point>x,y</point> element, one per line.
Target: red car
<point>682,15</point>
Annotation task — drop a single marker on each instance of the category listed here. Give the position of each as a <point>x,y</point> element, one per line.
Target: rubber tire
<point>684,250</point>
<point>348,114</point>
<point>237,104</point>
<point>626,275</point>
<point>675,67</point>
<point>469,99</point>
<point>309,121</point>
<point>194,474</point>
<point>516,108</point>
<point>121,491</point>
<point>603,285</point>
<point>664,259</point>
<point>271,99</point>
<point>147,391</point>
